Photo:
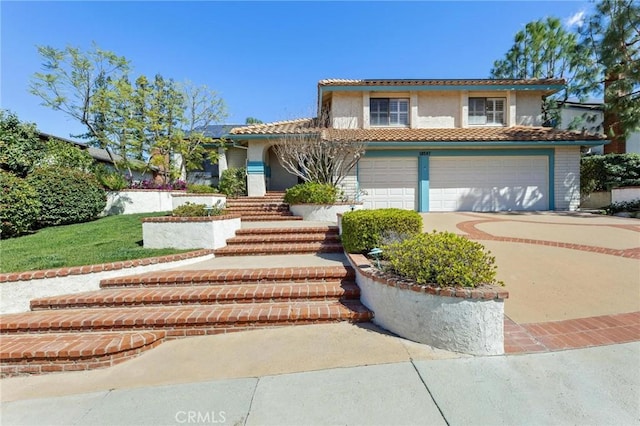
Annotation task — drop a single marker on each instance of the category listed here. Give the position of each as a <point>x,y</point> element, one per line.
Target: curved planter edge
<point>469,321</point>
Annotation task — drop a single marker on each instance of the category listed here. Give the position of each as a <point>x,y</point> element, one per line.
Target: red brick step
<point>220,294</point>
<point>232,276</point>
<point>180,321</point>
<point>46,353</point>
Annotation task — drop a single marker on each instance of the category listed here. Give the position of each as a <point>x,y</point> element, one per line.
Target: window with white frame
<point>388,112</point>
<point>486,111</point>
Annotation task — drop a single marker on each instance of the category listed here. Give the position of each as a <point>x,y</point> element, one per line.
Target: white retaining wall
<point>16,295</point>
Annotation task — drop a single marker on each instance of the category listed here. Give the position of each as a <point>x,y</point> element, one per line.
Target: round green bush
<point>67,196</point>
<point>311,193</point>
<point>442,259</point>
<point>19,205</point>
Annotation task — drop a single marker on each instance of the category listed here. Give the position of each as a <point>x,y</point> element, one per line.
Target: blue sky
<point>264,58</point>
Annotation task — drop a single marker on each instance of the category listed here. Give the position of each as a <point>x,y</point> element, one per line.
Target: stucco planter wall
<point>138,201</point>
<point>469,321</point>
<point>210,232</point>
<point>178,200</point>
<point>626,194</point>
<point>596,200</point>
<point>322,212</point>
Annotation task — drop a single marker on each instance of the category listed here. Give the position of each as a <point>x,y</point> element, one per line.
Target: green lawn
<point>105,240</point>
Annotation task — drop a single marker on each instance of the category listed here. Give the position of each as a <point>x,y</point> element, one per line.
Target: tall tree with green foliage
<point>544,49</point>
<point>76,83</point>
<point>147,120</point>
<point>613,32</point>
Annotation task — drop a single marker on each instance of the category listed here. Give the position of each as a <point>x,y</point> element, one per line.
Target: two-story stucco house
<point>436,145</point>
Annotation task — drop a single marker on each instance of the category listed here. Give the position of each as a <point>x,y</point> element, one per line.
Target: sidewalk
<point>595,386</point>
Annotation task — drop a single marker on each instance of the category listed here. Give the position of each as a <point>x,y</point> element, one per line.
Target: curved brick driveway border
<point>566,334</point>
<point>469,228</point>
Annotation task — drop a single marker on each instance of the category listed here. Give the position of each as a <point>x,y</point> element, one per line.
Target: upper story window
<point>389,112</point>
<point>486,111</point>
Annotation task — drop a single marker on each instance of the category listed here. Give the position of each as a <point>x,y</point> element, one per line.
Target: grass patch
<point>105,240</point>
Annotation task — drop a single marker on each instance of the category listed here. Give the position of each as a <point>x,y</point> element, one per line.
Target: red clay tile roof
<point>440,82</point>
<point>518,133</point>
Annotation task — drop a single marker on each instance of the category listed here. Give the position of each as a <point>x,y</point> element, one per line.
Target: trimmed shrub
<point>603,172</point>
<point>19,205</point>
<point>196,210</point>
<point>67,196</point>
<point>20,145</point>
<point>362,230</point>
<point>233,182</point>
<point>624,206</point>
<point>311,193</point>
<point>110,180</point>
<point>442,259</point>
<point>200,189</point>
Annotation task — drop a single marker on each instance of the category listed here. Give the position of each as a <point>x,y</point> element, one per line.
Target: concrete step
<point>284,238</point>
<point>53,352</point>
<point>232,276</point>
<point>202,295</point>
<point>181,321</point>
<point>278,248</point>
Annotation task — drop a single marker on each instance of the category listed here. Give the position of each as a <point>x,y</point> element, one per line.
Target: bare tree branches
<point>315,158</point>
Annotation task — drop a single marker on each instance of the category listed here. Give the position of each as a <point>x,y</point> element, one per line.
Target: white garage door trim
<point>389,182</point>
<point>488,183</point>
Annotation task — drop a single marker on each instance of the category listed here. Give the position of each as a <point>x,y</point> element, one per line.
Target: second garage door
<point>389,182</point>
<point>479,183</point>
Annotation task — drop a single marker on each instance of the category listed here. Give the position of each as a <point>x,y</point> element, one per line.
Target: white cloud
<point>575,20</point>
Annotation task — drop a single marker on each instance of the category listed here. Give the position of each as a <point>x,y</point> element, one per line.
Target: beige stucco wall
<point>529,109</point>
<point>346,110</point>
<point>435,109</point>
<point>438,110</point>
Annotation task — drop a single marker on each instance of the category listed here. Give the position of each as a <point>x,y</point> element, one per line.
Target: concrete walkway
<point>579,266</point>
<point>595,386</point>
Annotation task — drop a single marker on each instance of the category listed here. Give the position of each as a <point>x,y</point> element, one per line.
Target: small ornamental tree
<point>314,156</point>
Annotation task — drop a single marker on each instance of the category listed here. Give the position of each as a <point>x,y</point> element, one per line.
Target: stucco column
<point>464,109</point>
<point>256,184</point>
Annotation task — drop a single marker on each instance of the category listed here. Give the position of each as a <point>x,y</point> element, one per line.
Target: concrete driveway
<point>556,266</point>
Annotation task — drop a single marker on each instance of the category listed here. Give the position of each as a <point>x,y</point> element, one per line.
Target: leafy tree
<point>145,120</point>
<point>544,49</point>
<point>253,120</point>
<point>64,154</point>
<point>20,145</point>
<point>613,32</point>
<point>203,107</point>
<point>79,84</point>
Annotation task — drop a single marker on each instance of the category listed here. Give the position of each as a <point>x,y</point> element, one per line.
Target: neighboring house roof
<point>99,154</point>
<point>217,131</point>
<point>300,125</point>
<point>518,133</point>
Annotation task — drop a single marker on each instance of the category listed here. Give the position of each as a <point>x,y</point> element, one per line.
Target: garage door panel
<point>488,183</point>
<point>389,182</point>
